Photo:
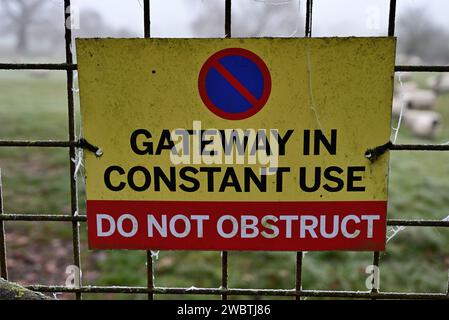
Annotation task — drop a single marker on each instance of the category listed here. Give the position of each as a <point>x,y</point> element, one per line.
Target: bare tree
<point>17,16</point>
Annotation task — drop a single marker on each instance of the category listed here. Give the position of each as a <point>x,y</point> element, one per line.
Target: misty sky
<point>172,18</point>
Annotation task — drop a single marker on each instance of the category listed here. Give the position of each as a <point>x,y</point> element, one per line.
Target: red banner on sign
<point>276,226</point>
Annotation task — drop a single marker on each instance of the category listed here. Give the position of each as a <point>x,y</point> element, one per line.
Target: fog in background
<point>33,28</point>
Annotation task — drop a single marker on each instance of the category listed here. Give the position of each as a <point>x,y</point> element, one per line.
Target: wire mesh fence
<point>75,218</point>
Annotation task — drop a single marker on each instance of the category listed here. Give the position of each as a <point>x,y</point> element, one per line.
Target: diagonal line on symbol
<point>234,82</point>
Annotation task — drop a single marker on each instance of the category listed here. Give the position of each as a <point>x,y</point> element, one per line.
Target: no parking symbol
<point>234,83</point>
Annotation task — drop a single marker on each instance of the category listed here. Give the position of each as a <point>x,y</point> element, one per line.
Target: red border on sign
<point>234,52</point>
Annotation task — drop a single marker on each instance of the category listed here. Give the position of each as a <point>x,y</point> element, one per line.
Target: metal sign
<point>236,144</point>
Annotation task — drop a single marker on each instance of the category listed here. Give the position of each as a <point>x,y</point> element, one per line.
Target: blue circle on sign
<point>234,83</point>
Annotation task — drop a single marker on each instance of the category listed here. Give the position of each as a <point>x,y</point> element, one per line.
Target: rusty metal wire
<point>72,143</point>
<point>3,266</point>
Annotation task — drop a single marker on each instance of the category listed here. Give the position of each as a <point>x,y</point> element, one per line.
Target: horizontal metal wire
<point>238,291</point>
<point>42,217</point>
<point>38,66</point>
<point>73,66</point>
<point>38,143</point>
<point>418,223</point>
<point>83,218</point>
<point>421,69</point>
<point>78,143</point>
<point>419,147</point>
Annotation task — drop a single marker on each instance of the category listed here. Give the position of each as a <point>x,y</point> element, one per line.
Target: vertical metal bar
<point>72,138</point>
<point>309,9</point>
<point>146,18</point>
<point>150,274</point>
<point>224,254</point>
<point>224,273</point>
<point>299,256</point>
<point>392,18</point>
<point>447,291</point>
<point>150,261</point>
<point>228,11</point>
<point>376,260</point>
<point>3,263</point>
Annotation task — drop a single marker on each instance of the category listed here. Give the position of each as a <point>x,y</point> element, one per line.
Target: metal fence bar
<point>41,143</point>
<point>42,217</point>
<point>392,18</point>
<point>420,147</point>
<point>402,68</point>
<point>83,218</point>
<point>78,144</point>
<point>245,292</point>
<point>72,139</point>
<point>298,275</point>
<point>376,261</point>
<point>418,223</point>
<point>149,255</point>
<point>376,254</point>
<point>224,273</point>
<point>224,254</point>
<point>38,66</point>
<point>3,262</point>
<point>299,254</point>
<point>146,19</point>
<point>309,9</point>
<point>228,17</point>
<point>150,274</point>
<point>447,290</point>
<point>72,66</point>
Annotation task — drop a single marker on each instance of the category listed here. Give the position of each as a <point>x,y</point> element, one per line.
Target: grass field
<point>33,106</point>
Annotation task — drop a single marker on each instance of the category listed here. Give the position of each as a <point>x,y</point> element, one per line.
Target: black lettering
<point>159,175</point>
<point>234,139</point>
<point>148,145</point>
<point>183,175</point>
<point>328,175</point>
<point>261,183</point>
<point>282,141</point>
<point>303,179</point>
<point>230,180</point>
<point>165,142</point>
<point>107,178</point>
<point>261,143</point>
<point>320,138</point>
<point>131,178</point>
<point>279,177</point>
<point>306,145</point>
<point>210,176</point>
<point>352,178</point>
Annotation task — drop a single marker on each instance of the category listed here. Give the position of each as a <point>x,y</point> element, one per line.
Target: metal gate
<point>72,143</point>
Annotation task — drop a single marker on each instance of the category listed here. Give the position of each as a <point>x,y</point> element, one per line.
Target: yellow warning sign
<point>223,121</point>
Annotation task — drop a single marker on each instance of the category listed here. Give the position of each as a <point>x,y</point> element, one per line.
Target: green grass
<point>36,181</point>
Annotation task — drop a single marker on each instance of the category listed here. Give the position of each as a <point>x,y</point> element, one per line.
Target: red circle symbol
<point>234,83</point>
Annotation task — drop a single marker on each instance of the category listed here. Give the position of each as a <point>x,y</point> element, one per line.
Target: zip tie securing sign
<point>84,144</point>
<point>373,154</point>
